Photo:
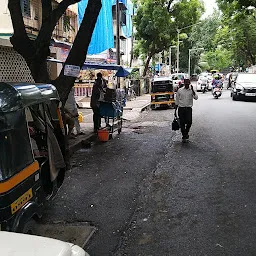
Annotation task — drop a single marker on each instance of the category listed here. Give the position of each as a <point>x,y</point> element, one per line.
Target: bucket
<point>103,135</point>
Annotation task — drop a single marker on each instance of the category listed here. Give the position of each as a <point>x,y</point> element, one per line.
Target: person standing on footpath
<point>184,103</point>
<point>72,111</point>
<point>98,89</point>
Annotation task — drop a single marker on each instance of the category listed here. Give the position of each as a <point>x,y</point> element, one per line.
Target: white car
<point>177,79</point>
<point>204,78</point>
<point>16,244</point>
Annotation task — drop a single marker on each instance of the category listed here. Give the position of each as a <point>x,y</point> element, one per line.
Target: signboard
<point>71,70</point>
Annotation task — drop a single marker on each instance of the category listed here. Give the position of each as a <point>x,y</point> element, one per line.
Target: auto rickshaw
<point>162,93</point>
<point>32,153</point>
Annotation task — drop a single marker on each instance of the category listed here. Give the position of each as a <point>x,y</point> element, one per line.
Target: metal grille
<point>13,67</point>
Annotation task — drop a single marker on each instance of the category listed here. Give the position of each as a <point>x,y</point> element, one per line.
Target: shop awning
<point>121,72</point>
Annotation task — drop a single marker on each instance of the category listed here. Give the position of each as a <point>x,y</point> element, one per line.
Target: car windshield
<point>246,78</point>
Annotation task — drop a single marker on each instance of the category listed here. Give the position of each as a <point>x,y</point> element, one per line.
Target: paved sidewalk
<point>138,102</point>
<point>131,112</point>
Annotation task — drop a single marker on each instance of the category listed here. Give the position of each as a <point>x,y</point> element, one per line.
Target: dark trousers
<point>96,118</point>
<point>185,116</point>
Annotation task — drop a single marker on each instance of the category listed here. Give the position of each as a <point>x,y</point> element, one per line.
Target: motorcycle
<point>204,88</point>
<point>216,92</point>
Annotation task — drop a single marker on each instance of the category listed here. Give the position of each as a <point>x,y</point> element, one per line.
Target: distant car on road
<point>244,86</point>
<point>178,79</point>
<point>204,78</point>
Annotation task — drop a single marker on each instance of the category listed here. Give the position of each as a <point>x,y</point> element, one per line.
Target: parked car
<point>244,86</point>
<point>17,244</point>
<point>178,79</point>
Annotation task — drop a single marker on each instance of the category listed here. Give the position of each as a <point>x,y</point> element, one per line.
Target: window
<point>123,17</point>
<point>15,148</point>
<point>25,8</point>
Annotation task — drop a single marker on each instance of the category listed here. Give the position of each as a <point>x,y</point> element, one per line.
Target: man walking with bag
<point>184,103</point>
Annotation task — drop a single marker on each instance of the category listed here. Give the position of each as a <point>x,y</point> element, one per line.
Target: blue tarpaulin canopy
<point>121,72</point>
<point>103,34</point>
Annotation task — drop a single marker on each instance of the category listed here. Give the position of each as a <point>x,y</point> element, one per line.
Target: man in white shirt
<point>184,103</point>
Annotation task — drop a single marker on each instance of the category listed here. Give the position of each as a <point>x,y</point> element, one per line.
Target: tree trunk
<point>79,49</point>
<point>35,52</point>
<point>147,64</point>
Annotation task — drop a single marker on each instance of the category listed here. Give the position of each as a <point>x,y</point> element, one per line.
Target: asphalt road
<point>149,194</point>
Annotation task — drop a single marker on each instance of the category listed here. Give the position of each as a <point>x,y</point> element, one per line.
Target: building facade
<point>13,67</point>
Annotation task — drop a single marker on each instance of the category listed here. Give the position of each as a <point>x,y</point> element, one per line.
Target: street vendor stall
<point>113,100</point>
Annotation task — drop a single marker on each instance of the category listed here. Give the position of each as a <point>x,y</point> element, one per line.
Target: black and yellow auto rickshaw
<point>32,152</point>
<point>162,93</point>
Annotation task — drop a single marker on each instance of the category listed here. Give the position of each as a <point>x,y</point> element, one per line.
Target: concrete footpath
<point>131,111</point>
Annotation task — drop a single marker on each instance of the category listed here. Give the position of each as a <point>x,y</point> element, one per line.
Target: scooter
<point>216,92</point>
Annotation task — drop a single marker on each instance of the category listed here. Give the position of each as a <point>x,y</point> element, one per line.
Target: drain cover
<point>78,234</point>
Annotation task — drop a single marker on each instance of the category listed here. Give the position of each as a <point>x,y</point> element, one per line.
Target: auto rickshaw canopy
<point>14,96</point>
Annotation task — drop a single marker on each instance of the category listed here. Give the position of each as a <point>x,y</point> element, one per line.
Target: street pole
<point>118,38</point>
<point>189,62</point>
<point>170,59</point>
<point>178,44</point>
<point>117,32</point>
<point>189,57</point>
<point>178,51</point>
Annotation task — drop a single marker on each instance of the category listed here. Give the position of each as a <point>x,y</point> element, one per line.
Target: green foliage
<point>67,24</point>
<point>202,35</point>
<point>218,59</point>
<point>228,38</point>
<point>156,25</point>
<point>238,5</point>
<point>204,65</point>
<point>238,33</point>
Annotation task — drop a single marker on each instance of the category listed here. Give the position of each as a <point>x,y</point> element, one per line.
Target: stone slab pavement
<point>67,232</point>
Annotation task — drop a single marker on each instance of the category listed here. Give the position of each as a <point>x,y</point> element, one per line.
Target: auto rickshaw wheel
<point>29,227</point>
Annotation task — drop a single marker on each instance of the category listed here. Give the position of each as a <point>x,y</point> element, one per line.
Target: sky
<point>209,7</point>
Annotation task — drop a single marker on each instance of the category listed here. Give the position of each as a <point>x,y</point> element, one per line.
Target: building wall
<point>34,20</point>
<point>13,67</point>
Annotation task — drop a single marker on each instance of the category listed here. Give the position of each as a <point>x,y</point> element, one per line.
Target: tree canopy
<point>157,23</point>
<point>228,38</point>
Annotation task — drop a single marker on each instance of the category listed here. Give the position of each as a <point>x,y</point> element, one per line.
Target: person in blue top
<point>216,82</point>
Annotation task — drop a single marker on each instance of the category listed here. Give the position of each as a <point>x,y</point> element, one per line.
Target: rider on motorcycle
<point>216,82</point>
